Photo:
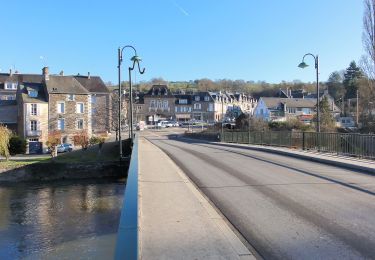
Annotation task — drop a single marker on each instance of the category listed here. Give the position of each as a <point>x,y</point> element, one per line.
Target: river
<point>64,219</point>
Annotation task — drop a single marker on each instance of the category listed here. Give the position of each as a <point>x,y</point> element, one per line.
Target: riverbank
<point>79,164</point>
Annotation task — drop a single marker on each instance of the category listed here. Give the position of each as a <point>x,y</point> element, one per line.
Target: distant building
<point>281,109</point>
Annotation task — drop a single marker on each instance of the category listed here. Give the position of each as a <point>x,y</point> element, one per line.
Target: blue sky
<point>183,39</point>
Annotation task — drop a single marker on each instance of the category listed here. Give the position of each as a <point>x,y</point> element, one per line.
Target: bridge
<point>193,199</point>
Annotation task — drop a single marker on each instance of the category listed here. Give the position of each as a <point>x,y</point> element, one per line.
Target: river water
<point>60,220</point>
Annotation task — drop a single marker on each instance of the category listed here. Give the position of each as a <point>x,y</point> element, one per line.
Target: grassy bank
<point>108,153</point>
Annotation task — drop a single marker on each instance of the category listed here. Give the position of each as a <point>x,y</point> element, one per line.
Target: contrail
<point>182,10</point>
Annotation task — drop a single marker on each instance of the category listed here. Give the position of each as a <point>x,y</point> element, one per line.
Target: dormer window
<point>10,85</point>
<point>197,98</point>
<point>33,93</point>
<point>206,98</point>
<point>70,97</point>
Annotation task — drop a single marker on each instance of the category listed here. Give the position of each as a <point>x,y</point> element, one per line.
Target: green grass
<point>109,153</point>
<point>11,164</point>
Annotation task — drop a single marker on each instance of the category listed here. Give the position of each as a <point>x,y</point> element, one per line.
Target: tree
<point>335,85</point>
<point>5,135</point>
<point>81,138</point>
<point>54,139</point>
<point>351,79</point>
<point>327,122</point>
<point>367,89</point>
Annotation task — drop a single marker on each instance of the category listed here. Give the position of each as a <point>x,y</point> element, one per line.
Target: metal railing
<point>127,237</point>
<point>358,145</point>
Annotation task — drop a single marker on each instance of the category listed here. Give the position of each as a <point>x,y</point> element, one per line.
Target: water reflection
<point>60,219</point>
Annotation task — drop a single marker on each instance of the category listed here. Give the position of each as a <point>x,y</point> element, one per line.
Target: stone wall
<point>58,171</point>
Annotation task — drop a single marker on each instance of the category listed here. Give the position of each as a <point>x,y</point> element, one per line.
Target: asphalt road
<point>286,208</point>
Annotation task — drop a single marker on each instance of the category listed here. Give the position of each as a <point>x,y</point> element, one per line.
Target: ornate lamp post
<point>303,65</point>
<point>134,59</point>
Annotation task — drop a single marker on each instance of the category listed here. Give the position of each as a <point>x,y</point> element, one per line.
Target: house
<point>35,105</point>
<point>33,115</point>
<point>100,102</point>
<point>183,107</point>
<point>281,109</point>
<point>159,104</point>
<point>69,106</point>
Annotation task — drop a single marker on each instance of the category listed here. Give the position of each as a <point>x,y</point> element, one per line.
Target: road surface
<point>285,208</point>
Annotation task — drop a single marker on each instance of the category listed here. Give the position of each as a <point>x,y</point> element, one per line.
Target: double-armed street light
<point>135,59</point>
<point>303,65</point>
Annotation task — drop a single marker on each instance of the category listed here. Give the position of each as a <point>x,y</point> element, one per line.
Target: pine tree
<point>351,80</point>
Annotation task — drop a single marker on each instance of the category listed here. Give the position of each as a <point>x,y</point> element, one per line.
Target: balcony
<point>33,133</point>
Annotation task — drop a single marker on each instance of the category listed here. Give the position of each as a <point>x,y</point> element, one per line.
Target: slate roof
<point>159,90</point>
<point>64,85</point>
<point>41,98</point>
<point>93,84</point>
<point>272,102</point>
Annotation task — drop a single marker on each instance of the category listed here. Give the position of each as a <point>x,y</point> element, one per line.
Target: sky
<point>179,40</point>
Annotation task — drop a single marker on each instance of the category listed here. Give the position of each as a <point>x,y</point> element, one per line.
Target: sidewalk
<point>175,220</point>
<point>352,163</point>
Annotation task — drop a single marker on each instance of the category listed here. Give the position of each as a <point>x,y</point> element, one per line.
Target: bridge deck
<point>175,220</point>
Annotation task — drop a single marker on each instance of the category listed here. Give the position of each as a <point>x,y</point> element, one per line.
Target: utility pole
<point>357,118</point>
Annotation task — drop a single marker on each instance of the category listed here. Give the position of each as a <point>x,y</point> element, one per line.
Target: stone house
<point>33,116</point>
<point>69,106</point>
<point>159,103</point>
<point>183,107</point>
<point>100,103</point>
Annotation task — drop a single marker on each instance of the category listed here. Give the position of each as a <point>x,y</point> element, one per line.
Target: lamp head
<point>136,58</point>
<point>303,65</point>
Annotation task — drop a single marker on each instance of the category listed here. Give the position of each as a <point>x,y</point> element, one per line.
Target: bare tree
<point>367,88</point>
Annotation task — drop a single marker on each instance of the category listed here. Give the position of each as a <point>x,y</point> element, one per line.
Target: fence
<point>359,145</point>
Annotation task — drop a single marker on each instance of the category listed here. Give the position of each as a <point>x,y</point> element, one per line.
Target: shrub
<point>81,139</point>
<point>17,145</point>
<point>5,134</point>
<point>96,140</point>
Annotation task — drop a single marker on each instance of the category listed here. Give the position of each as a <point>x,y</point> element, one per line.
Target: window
<point>197,98</point>
<point>152,103</point>
<point>34,140</point>
<point>61,108</point>
<point>33,110</point>
<point>33,125</point>
<point>210,107</point>
<point>70,97</point>
<point>165,104</point>
<point>80,124</point>
<point>182,101</point>
<point>61,124</point>
<point>10,85</point>
<point>93,99</point>
<point>206,98</point>
<point>80,108</point>
<point>197,106</point>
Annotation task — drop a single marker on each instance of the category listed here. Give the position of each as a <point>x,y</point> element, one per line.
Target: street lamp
<point>120,51</point>
<point>135,59</point>
<point>303,65</point>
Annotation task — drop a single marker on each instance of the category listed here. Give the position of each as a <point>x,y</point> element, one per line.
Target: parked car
<point>62,148</point>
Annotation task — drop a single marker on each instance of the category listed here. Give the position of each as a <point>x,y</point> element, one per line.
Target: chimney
<point>61,73</point>
<point>88,75</point>
<point>45,73</point>
<point>10,72</point>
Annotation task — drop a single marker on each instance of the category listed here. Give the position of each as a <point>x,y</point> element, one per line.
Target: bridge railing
<point>127,237</point>
<point>358,145</point>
